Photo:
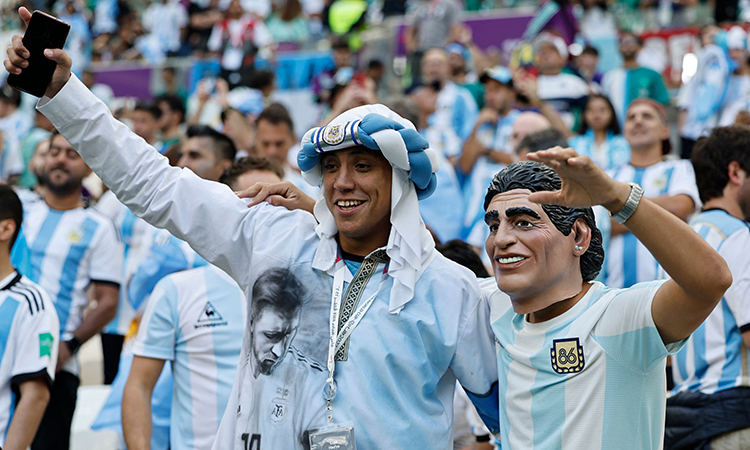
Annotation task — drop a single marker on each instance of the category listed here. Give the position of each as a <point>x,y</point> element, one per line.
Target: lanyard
<point>336,339</point>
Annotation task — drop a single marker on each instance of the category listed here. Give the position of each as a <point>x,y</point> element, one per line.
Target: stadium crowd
<point>182,341</point>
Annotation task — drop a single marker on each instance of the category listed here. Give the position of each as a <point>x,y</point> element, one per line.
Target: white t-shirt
<point>627,260</point>
<point>195,319</point>
<point>590,378</point>
<point>29,336</point>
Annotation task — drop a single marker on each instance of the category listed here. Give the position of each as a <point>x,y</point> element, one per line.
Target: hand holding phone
<point>36,63</point>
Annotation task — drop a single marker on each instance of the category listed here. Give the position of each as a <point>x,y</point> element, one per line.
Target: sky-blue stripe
<point>505,335</point>
<point>70,270</point>
<point>732,348</point>
<point>630,246</point>
<point>182,432</point>
<point>40,244</point>
<point>699,350</point>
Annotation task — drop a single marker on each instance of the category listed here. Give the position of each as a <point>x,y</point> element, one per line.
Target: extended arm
<point>699,274</point>
<point>192,209</point>
<point>136,402</point>
<point>28,414</point>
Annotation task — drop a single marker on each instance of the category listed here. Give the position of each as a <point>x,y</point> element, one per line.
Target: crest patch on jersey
<point>75,236</point>
<point>278,410</point>
<point>567,356</point>
<point>45,344</point>
<point>210,317</point>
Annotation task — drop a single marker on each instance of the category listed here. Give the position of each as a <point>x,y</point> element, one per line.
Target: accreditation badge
<point>334,437</point>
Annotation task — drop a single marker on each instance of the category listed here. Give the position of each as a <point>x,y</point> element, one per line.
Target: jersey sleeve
<point>734,252</point>
<point>106,255</point>
<point>683,182</point>
<point>627,332</point>
<point>475,361</point>
<point>157,335</point>
<point>37,338</point>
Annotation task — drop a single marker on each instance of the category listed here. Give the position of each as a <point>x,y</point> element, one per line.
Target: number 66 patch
<point>567,356</point>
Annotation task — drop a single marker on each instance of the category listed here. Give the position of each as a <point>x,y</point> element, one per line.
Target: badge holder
<point>338,437</point>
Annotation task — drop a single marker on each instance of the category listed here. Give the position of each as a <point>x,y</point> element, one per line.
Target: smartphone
<point>44,31</point>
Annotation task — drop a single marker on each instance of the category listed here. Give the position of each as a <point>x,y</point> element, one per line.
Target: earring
<point>579,248</point>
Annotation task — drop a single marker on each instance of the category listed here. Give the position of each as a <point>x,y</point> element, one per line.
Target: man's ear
<point>7,230</point>
<point>582,236</point>
<point>735,173</point>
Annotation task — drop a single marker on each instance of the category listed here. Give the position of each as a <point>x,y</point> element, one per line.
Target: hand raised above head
<point>18,56</point>
<point>584,184</point>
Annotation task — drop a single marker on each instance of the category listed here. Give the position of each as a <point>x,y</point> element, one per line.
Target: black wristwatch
<point>73,345</point>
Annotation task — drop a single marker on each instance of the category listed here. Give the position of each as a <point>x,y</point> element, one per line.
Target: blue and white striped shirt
<point>714,358</point>
<point>195,319</point>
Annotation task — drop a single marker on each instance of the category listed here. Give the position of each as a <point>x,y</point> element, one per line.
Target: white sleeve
<point>37,336</point>
<point>683,182</point>
<point>734,252</point>
<point>106,255</point>
<point>157,333</point>
<point>627,332</point>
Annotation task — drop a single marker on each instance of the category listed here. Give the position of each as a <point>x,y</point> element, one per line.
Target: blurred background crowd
<point>485,81</point>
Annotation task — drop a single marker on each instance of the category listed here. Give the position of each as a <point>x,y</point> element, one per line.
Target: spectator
<point>668,183</point>
<point>624,84</point>
<point>431,25</point>
<point>459,59</point>
<point>710,405</point>
<point>204,353</point>
<point>70,248</point>
<point>488,148</point>
<point>288,23</point>
<point>527,123</point>
<point>565,92</point>
<point>41,132</point>
<point>167,21</point>
<point>206,152</point>
<point>586,63</point>
<point>455,106</point>
<point>203,16</point>
<point>29,335</point>
<point>540,140</point>
<point>738,90</point>
<point>146,117</point>
<point>264,81</point>
<point>274,138</point>
<point>240,129</point>
<point>15,124</point>
<point>238,39</point>
<point>323,84</point>
<point>599,135</point>
<point>172,120</point>
<point>704,94</point>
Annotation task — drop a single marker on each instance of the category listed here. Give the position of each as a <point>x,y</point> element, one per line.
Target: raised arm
<point>699,274</point>
<point>205,214</point>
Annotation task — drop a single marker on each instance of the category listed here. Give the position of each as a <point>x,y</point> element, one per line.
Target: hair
<point>712,155</point>
<point>7,93</point>
<point>630,33</point>
<point>261,79</point>
<point>291,10</point>
<point>613,125</point>
<point>175,103</point>
<point>542,140</point>
<point>340,43</point>
<point>464,254</point>
<point>11,208</point>
<point>243,165</point>
<point>279,289</point>
<point>276,114</point>
<point>149,107</point>
<point>589,50</point>
<point>223,146</point>
<point>535,177</point>
<point>404,107</point>
<point>375,64</point>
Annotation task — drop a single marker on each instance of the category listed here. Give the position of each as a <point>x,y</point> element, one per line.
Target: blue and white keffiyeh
<point>410,246</point>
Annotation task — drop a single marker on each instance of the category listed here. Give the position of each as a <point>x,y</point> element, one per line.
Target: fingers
<point>545,197</point>
<point>58,56</point>
<point>17,56</point>
<point>25,14</point>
